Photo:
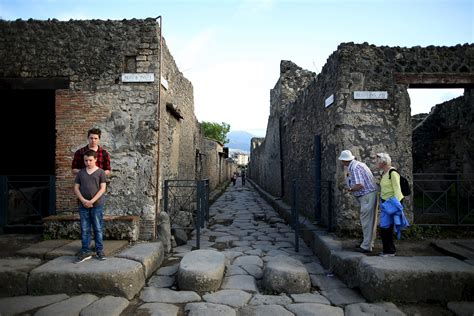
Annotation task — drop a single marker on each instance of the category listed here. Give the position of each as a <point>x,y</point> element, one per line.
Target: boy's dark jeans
<point>92,216</point>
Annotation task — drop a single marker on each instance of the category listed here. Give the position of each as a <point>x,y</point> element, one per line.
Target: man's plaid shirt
<point>103,158</point>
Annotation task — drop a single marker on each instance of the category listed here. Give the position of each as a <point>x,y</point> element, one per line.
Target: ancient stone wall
<point>364,126</point>
<point>292,80</point>
<point>444,141</point>
<point>138,130</point>
<point>215,165</point>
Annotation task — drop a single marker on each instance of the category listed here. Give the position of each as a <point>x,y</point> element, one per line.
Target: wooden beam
<point>435,80</point>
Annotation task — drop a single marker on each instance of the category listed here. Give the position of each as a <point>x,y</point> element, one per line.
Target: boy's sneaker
<point>100,256</point>
<point>385,255</point>
<point>83,256</point>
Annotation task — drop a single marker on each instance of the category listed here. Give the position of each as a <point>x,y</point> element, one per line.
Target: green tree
<point>216,131</point>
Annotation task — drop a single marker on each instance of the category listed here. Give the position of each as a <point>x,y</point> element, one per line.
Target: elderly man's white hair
<point>385,158</point>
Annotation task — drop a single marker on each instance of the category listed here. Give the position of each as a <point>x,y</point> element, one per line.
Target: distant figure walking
<point>242,174</point>
<point>234,178</point>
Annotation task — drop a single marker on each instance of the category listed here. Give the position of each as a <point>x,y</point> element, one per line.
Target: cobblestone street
<point>249,233</point>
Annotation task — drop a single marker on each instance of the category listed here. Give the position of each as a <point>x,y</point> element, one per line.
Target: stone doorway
<point>28,169</point>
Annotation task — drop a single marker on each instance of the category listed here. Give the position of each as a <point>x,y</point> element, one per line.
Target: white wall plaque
<point>373,95</point>
<point>138,77</point>
<point>329,101</point>
<point>164,83</point>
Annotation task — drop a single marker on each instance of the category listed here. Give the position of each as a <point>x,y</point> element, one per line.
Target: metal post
<point>198,215</point>
<point>3,200</point>
<point>202,194</point>
<point>330,208</point>
<point>206,200</point>
<point>317,177</point>
<point>52,195</point>
<point>458,186</point>
<point>165,197</point>
<point>294,213</point>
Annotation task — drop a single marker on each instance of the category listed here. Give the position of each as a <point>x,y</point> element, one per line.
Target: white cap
<point>346,155</point>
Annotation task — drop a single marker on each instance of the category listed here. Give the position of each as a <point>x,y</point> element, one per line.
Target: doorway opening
<point>28,163</point>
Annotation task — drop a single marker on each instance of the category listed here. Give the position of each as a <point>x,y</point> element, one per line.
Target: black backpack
<point>404,185</point>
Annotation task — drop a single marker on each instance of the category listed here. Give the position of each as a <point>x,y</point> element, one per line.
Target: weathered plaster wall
<point>363,126</point>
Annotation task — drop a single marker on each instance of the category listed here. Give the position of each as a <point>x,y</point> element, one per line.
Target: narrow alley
<point>248,231</point>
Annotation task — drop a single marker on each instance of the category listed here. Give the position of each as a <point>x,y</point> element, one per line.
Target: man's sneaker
<point>100,256</point>
<point>385,255</point>
<point>83,256</point>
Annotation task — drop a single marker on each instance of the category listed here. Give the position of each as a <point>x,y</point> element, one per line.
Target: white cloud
<point>256,6</point>
<point>196,50</point>
<point>236,99</point>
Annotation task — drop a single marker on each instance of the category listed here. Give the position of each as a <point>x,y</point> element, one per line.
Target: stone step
<point>123,275</point>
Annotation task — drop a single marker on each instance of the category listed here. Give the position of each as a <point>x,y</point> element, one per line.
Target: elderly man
<point>361,183</point>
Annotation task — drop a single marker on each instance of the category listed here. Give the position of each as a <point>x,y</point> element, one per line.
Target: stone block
<point>285,274</point>
<point>14,275</point>
<point>150,255</point>
<point>416,279</point>
<point>115,276</point>
<point>201,271</point>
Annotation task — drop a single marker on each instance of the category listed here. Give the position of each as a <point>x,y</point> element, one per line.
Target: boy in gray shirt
<point>89,187</point>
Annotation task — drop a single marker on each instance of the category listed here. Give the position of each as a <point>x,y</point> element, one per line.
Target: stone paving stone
<point>39,250</point>
<point>183,248</point>
<point>254,270</point>
<point>241,249</point>
<point>208,309</point>
<point>314,268</point>
<point>70,306</point>
<point>264,310</point>
<point>254,252</point>
<point>233,298</point>
<point>240,282</point>
<point>161,281</point>
<point>241,243</point>
<point>158,309</point>
<point>106,306</point>
<point>310,298</point>
<point>342,297</point>
<point>314,309</point>
<point>155,295</point>
<point>259,299</point>
<point>21,304</point>
<point>244,260</point>
<point>381,308</point>
<point>325,282</point>
<point>14,274</point>
<point>169,270</point>
<point>230,255</point>
<point>235,270</point>
<point>273,253</point>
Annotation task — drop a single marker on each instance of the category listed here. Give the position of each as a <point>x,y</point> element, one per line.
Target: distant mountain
<point>239,140</point>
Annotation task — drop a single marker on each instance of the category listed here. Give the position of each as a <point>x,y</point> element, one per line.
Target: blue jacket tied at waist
<point>391,213</point>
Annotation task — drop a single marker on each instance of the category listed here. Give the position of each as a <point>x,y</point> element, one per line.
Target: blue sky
<point>231,50</point>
